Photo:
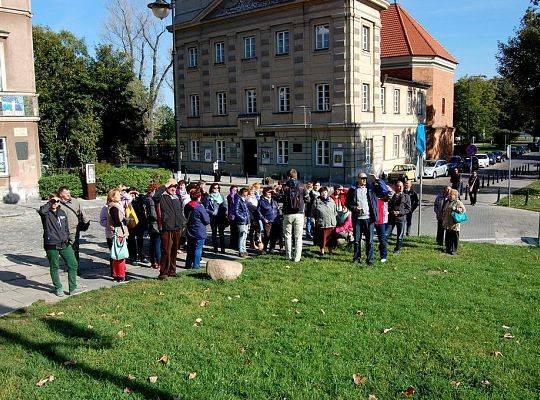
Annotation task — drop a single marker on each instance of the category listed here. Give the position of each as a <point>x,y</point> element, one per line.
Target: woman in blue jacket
<point>216,207</point>
<point>197,220</point>
<point>242,220</point>
<point>268,213</point>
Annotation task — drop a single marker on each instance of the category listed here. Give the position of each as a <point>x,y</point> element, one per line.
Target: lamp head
<point>160,8</point>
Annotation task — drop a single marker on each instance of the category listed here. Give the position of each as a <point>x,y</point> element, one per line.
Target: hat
<point>171,182</point>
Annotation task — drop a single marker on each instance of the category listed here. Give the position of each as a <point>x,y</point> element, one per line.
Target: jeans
<point>155,247</point>
<point>194,252</point>
<point>440,233</point>
<point>409,222</point>
<point>381,235</point>
<point>309,227</point>
<point>54,261</point>
<point>293,229</point>
<point>242,238</point>
<point>400,232</point>
<point>365,227</point>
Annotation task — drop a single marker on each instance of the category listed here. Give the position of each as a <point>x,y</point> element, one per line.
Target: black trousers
<point>408,218</point>
<point>233,243</point>
<point>135,244</point>
<point>451,241</point>
<point>474,196</point>
<point>218,228</point>
<point>440,233</point>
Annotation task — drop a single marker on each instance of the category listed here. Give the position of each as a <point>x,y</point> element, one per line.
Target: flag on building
<point>421,139</point>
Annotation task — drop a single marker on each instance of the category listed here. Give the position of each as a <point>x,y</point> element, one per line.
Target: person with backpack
<point>216,207</point>
<point>197,220</point>
<point>294,198</point>
<point>242,220</point>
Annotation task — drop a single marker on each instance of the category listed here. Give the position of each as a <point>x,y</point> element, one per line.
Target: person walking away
<point>171,221</point>
<point>136,235</point>
<point>325,215</point>
<point>216,207</point>
<point>152,226</point>
<point>294,198</point>
<point>361,200</point>
<point>242,220</point>
<point>452,227</point>
<point>474,185</point>
<point>409,191</point>
<point>268,211</point>
<point>455,179</point>
<point>231,215</point>
<point>76,218</point>
<point>438,206</point>
<point>197,220</point>
<point>399,206</point>
<point>118,230</point>
<point>56,244</point>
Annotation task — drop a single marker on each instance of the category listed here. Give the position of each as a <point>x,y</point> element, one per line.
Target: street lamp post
<point>161,10</point>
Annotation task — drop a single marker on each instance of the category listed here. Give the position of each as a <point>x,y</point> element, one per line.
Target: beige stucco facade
<point>19,141</point>
<point>331,143</point>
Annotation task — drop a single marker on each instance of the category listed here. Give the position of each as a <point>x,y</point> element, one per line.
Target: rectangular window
<point>220,150</point>
<point>284,99</point>
<point>219,53</point>
<point>365,97</point>
<point>322,37</point>
<point>383,100</point>
<point>384,148</point>
<point>369,151</point>
<point>194,105</point>
<point>251,101</point>
<point>397,100</point>
<point>250,50</point>
<point>282,42</point>
<point>322,155</point>
<point>366,38</point>
<point>221,103</point>
<point>443,106</point>
<point>420,103</point>
<point>193,58</point>
<point>395,147</point>
<point>323,97</point>
<point>194,150</point>
<point>409,102</point>
<point>282,151</point>
<point>2,69</point>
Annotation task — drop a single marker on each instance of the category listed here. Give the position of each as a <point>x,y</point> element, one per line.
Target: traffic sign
<point>471,150</point>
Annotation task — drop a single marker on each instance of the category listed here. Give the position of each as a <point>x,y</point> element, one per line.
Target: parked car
<point>402,172</point>
<point>435,168</point>
<point>499,156</point>
<point>483,160</point>
<point>454,162</point>
<point>517,151</point>
<point>465,165</point>
<point>535,146</point>
<point>492,158</point>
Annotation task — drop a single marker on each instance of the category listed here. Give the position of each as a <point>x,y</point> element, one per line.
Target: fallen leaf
<point>121,333</point>
<point>237,296</point>
<point>115,321</point>
<point>360,313</point>
<point>295,300</point>
<point>59,313</point>
<point>386,330</point>
<point>128,326</point>
<point>408,392</point>
<point>152,379</point>
<point>131,377</point>
<point>296,311</point>
<point>287,266</point>
<point>242,350</point>
<point>90,327</point>
<point>485,382</point>
<point>70,362</point>
<point>161,294</point>
<point>507,335</point>
<point>455,383</point>
<point>229,298</point>
<point>372,397</point>
<point>164,359</point>
<point>127,390</point>
<point>206,290</point>
<point>204,303</point>
<point>359,379</point>
<point>247,361</point>
<point>103,315</point>
<point>80,307</point>
<point>335,353</point>
<point>192,375</point>
<point>83,286</point>
<point>42,382</point>
<point>322,312</point>
<point>505,327</point>
<point>198,320</point>
<point>497,354</point>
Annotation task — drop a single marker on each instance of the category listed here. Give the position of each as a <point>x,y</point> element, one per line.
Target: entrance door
<point>250,156</point>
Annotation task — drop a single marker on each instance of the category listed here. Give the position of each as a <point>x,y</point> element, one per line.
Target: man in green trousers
<point>56,244</point>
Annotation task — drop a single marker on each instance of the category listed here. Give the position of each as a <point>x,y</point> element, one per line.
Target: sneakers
<point>396,251</point>
<point>243,255</point>
<point>76,292</point>
<point>383,260</point>
<point>60,293</point>
<point>163,277</point>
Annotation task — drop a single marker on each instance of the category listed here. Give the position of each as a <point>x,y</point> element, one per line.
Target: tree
<point>164,123</point>
<point>519,59</point>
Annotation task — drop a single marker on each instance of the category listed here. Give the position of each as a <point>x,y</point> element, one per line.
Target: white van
<point>483,160</point>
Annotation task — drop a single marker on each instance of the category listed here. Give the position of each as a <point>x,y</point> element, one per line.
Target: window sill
<point>249,59</point>
<point>219,64</point>
<point>282,55</point>
<point>322,165</point>
<point>192,68</point>
<point>282,112</point>
<point>323,50</point>
<point>220,115</point>
<point>250,115</point>
<point>321,111</point>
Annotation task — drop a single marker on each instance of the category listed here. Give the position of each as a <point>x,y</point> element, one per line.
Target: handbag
<point>458,217</point>
<point>119,249</point>
<point>131,217</point>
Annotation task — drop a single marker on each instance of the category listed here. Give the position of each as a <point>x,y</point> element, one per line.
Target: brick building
<point>263,86</point>
<point>19,141</point>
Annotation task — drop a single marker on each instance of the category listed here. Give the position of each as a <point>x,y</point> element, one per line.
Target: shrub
<point>51,183</point>
<point>136,177</point>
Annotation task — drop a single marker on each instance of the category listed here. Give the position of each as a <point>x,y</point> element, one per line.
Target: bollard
<point>200,176</point>
<point>483,180</point>
<point>488,180</point>
<point>497,176</point>
<point>493,179</point>
<point>247,178</point>
<point>498,194</point>
<point>466,191</point>
<point>527,197</point>
<point>460,189</point>
<point>230,177</point>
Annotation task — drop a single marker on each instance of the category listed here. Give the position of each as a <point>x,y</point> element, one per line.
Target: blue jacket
<point>373,193</point>
<point>268,210</point>
<point>197,219</point>
<point>241,211</point>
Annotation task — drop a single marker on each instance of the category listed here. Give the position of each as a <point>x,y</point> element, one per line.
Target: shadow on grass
<point>199,275</point>
<point>73,332</point>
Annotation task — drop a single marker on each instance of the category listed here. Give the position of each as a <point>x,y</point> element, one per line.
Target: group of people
<point>175,214</point>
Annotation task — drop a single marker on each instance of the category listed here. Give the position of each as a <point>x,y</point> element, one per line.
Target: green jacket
<point>325,213</point>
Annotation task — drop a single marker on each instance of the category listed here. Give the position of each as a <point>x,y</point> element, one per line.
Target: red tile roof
<point>402,35</point>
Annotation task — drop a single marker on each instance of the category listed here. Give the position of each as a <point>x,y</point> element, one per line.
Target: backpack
<point>296,197</point>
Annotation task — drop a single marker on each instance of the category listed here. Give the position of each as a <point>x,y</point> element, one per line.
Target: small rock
<point>224,270</point>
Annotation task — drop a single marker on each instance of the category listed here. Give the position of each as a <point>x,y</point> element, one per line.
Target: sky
<point>469,29</point>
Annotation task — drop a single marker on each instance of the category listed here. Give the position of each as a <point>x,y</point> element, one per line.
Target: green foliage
<point>520,196</point>
<point>136,177</point>
<point>103,167</point>
<point>50,183</point>
<point>164,124</point>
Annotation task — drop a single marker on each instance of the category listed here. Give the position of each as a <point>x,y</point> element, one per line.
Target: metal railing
<point>15,104</point>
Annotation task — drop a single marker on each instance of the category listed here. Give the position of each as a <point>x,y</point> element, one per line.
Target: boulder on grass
<point>224,270</point>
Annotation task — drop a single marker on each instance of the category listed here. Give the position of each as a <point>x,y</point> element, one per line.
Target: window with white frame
<point>250,50</point>
<point>409,145</point>
<point>219,52</point>
<point>365,97</point>
<point>368,151</point>
<point>397,100</point>
<point>322,37</point>
<point>221,98</point>
<point>282,42</point>
<point>282,151</point>
<point>194,105</point>
<point>3,157</point>
<point>193,57</point>
<point>443,106</point>
<point>322,152</point>
<point>284,95</point>
<point>194,148</point>
<point>384,148</point>
<point>395,147</point>
<point>409,102</point>
<point>323,97</point>
<point>220,150</point>
<point>251,101</point>
<point>420,103</point>
<point>2,69</point>
<point>366,38</point>
<point>383,100</point>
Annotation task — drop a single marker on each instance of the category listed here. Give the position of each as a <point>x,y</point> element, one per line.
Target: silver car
<point>435,168</point>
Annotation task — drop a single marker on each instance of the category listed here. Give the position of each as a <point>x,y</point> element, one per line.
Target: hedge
<point>106,179</point>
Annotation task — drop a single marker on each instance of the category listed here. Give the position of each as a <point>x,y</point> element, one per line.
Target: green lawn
<point>519,196</point>
<point>294,331</point>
